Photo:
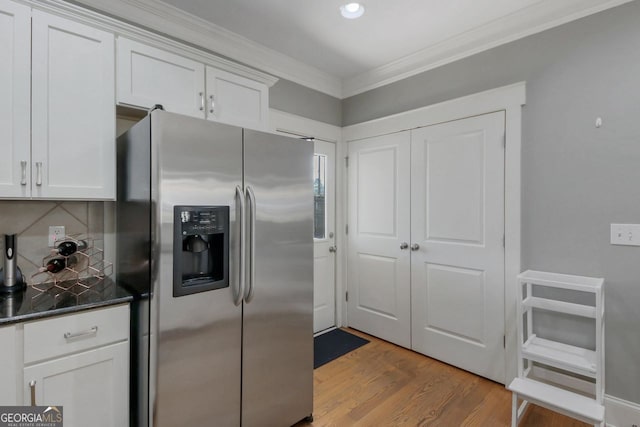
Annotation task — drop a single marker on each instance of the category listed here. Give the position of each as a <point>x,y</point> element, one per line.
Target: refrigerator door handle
<point>241,264</point>
<point>252,245</point>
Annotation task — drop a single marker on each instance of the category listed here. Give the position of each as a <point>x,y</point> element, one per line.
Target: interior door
<point>457,252</point>
<point>324,249</point>
<point>378,258</point>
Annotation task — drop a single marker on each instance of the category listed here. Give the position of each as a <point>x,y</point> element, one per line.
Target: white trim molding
<point>174,22</point>
<point>533,19</point>
<point>620,413</point>
<point>509,99</point>
<point>180,25</point>
<point>119,28</point>
<point>291,124</point>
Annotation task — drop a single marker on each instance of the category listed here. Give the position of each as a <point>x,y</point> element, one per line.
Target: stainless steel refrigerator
<point>214,231</point>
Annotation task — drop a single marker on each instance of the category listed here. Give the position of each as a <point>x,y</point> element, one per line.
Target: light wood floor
<point>381,384</point>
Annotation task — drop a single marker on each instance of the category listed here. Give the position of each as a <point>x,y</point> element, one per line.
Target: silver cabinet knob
<point>404,245</point>
<point>415,247</point>
<point>333,249</point>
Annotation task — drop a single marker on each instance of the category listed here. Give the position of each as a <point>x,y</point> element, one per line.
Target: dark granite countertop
<point>33,304</point>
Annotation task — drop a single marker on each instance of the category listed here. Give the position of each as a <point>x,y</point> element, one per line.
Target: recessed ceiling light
<point>352,10</point>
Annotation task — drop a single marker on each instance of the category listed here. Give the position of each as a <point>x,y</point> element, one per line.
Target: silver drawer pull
<point>201,101</point>
<point>70,336</point>
<point>39,174</point>
<point>23,165</point>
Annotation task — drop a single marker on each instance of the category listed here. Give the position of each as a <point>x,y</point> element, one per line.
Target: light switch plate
<point>56,232</point>
<point>625,234</point>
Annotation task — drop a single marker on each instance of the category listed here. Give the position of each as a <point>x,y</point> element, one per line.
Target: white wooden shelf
<point>563,281</point>
<point>560,306</point>
<point>568,359</point>
<point>574,359</point>
<point>572,404</point>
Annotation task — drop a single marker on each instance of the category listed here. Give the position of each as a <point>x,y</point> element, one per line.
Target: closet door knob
<point>404,245</point>
<point>415,247</point>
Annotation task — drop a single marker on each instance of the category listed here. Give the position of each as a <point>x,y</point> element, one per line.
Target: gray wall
<point>302,101</point>
<point>576,179</point>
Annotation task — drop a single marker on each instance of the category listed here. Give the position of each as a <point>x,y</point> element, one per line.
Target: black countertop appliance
<point>11,279</point>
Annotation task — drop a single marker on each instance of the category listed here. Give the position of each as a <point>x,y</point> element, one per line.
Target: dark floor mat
<point>333,344</point>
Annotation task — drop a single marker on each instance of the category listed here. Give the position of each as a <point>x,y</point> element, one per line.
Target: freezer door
<point>277,387</point>
<point>196,337</point>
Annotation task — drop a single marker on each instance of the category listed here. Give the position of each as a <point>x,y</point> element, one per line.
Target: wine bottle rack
<point>86,274</point>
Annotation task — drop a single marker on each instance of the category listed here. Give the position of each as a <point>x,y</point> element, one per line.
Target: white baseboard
<point>620,413</point>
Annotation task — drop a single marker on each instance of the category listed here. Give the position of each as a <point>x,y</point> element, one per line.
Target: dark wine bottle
<point>69,247</point>
<point>56,265</point>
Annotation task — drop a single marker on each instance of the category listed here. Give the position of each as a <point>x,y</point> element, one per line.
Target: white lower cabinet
<point>80,362</point>
<point>90,386</point>
<point>8,366</point>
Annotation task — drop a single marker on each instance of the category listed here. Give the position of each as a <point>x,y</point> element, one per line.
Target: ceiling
<point>314,32</point>
<point>309,42</point>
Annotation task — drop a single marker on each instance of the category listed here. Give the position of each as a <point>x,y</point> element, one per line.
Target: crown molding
<point>170,26</point>
<point>168,20</point>
<point>98,20</point>
<point>533,19</point>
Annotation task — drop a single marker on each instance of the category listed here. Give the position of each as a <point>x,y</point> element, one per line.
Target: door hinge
<point>504,341</point>
<point>346,161</point>
<point>346,296</point>
<point>346,229</point>
<point>504,241</point>
<point>504,140</point>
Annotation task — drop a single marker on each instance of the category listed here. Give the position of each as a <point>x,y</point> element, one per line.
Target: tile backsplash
<point>30,220</point>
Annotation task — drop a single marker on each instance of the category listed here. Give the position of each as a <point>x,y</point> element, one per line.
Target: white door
<point>73,110</point>
<point>236,100</point>
<point>92,387</point>
<point>457,253</point>
<point>378,255</point>
<point>148,76</point>
<point>324,249</point>
<point>15,99</point>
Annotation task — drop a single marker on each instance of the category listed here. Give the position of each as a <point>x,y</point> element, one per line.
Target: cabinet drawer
<point>54,337</point>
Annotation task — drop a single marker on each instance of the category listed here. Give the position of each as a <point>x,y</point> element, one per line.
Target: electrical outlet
<point>625,234</point>
<point>56,232</point>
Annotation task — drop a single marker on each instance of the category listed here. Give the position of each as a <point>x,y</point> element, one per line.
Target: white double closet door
<point>426,251</point>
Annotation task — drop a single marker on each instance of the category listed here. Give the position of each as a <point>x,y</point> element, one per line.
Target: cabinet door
<point>73,107</point>
<point>15,96</point>
<point>149,76</point>
<point>8,364</point>
<point>236,100</point>
<point>92,387</point>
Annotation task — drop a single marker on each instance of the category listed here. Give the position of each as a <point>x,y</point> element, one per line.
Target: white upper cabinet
<point>149,76</point>
<point>15,95</point>
<point>236,100</point>
<point>57,107</point>
<point>73,110</point>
